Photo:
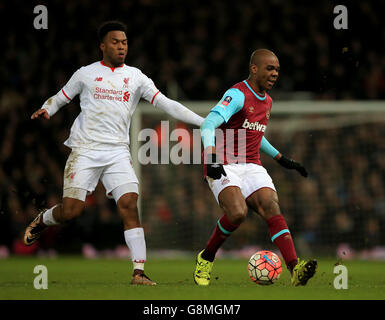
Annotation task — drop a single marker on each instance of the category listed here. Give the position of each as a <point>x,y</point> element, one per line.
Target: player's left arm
<point>72,88</point>
<point>172,107</point>
<point>231,103</point>
<point>285,162</point>
<point>177,110</point>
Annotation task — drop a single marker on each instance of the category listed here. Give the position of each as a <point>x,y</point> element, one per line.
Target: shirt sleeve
<point>231,102</point>
<point>148,89</point>
<point>267,148</point>
<point>177,110</point>
<point>72,88</point>
<point>212,121</point>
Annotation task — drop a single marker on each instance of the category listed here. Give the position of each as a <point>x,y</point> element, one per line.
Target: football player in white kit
<point>109,93</point>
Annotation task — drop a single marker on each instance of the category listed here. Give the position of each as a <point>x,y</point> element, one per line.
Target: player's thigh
<point>125,194</point>
<point>119,179</point>
<point>228,193</point>
<point>264,201</point>
<point>230,180</point>
<point>254,178</point>
<point>233,203</point>
<point>82,172</point>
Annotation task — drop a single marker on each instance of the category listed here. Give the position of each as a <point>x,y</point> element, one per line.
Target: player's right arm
<point>231,102</point>
<point>72,88</point>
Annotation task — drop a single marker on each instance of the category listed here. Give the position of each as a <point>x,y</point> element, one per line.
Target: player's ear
<point>102,46</point>
<point>253,68</point>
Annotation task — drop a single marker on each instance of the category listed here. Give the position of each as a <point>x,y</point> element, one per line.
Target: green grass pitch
<point>77,278</point>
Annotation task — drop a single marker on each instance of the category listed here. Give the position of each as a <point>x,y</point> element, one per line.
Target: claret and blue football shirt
<point>246,114</point>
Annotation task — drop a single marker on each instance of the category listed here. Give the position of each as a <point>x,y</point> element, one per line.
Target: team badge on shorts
<point>225,181</point>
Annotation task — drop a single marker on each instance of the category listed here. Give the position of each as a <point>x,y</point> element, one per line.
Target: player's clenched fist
<point>291,164</point>
<point>41,113</point>
<point>214,169</point>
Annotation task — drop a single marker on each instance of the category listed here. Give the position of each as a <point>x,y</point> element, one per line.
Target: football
<point>264,267</point>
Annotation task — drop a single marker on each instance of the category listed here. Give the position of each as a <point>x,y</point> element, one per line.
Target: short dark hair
<point>108,26</point>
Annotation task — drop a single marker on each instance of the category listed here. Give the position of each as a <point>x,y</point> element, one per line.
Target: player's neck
<point>109,64</point>
<point>255,87</point>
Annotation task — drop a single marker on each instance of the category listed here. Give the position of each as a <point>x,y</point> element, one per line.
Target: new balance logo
<point>254,126</point>
<point>98,79</point>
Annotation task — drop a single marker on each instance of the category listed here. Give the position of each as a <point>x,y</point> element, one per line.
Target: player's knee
<point>128,202</point>
<point>237,212</point>
<point>269,208</point>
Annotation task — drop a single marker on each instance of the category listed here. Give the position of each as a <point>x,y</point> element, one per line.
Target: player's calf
<point>70,209</point>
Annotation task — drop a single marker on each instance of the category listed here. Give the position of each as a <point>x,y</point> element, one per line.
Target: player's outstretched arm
<point>287,163</point>
<point>40,113</point>
<point>51,106</point>
<point>177,110</point>
<point>54,103</point>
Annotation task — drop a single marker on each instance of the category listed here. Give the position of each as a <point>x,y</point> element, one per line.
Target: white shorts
<point>249,177</point>
<point>85,167</point>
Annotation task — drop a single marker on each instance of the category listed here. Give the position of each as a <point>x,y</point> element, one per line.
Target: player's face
<point>114,47</point>
<point>266,73</point>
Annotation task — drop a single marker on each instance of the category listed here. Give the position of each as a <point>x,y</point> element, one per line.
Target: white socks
<point>137,245</point>
<point>48,218</point>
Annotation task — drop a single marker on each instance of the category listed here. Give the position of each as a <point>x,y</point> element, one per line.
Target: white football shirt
<point>108,99</point>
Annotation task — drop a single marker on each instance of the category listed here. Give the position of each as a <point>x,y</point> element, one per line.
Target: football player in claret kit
<point>234,171</point>
<point>99,140</point>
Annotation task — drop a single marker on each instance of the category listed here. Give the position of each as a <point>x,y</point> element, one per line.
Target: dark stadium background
<point>203,48</point>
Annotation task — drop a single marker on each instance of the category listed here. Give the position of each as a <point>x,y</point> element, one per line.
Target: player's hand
<point>214,169</point>
<point>41,113</point>
<point>291,164</point>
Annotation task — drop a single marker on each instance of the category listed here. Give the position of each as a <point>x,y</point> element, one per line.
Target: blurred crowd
<point>196,51</point>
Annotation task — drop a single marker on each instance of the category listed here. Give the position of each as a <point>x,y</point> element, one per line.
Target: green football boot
<point>303,271</point>
<point>202,271</point>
